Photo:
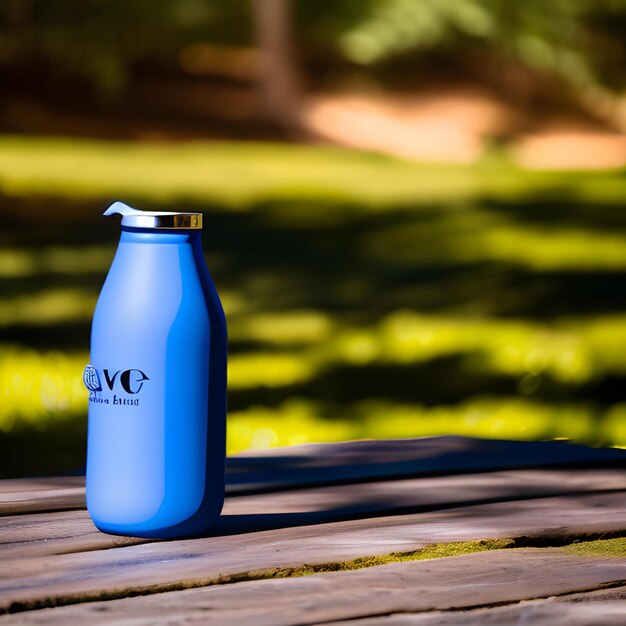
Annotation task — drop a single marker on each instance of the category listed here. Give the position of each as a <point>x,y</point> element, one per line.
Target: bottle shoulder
<point>152,285</point>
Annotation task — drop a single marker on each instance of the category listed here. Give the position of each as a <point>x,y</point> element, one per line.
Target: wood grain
<point>71,531</point>
<point>323,504</point>
<point>339,463</point>
<point>354,461</point>
<point>24,495</point>
<point>154,566</point>
<point>503,576</point>
<point>596,608</point>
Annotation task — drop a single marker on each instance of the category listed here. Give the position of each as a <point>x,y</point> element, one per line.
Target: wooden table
<point>356,533</point>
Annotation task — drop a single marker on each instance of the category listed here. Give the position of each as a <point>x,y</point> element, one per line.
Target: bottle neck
<point>150,235</point>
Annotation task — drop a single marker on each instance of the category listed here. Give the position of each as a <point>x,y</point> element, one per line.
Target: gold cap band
<point>175,221</point>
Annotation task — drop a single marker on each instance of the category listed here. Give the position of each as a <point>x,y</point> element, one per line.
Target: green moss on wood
<point>611,547</point>
<point>435,551</point>
<point>615,548</point>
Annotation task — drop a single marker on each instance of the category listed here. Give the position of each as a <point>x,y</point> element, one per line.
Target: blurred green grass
<point>366,296</point>
<point>236,175</point>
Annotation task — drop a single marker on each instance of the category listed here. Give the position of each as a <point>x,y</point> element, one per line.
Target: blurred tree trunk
<point>19,14</point>
<point>278,74</point>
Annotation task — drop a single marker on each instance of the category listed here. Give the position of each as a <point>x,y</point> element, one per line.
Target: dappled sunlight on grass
<point>267,370</point>
<point>294,422</point>
<point>295,327</point>
<point>469,234</point>
<point>500,418</point>
<point>366,297</point>
<point>197,170</point>
<point>566,352</point>
<point>236,174</point>
<point>298,421</point>
<point>550,248</point>
<point>570,351</point>
<point>38,387</point>
<point>35,385</point>
<point>47,307</point>
<point>17,263</point>
<point>615,424</point>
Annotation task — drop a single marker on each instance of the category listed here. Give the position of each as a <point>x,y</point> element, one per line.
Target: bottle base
<point>188,529</point>
<point>196,525</point>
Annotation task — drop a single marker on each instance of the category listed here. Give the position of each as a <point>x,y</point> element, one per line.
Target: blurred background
<point>414,211</point>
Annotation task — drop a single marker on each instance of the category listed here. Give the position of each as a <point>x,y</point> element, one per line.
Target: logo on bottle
<point>92,380</point>
<point>129,382</point>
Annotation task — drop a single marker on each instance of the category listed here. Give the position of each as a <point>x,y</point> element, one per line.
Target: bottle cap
<point>155,219</point>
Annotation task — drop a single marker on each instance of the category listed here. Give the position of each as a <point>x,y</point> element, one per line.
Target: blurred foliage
<point>100,40</point>
<point>366,296</point>
<point>580,40</point>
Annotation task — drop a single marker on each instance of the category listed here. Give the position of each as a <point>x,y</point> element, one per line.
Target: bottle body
<point>157,405</point>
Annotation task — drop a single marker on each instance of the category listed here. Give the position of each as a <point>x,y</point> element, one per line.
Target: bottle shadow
<point>410,477</point>
<point>248,523</point>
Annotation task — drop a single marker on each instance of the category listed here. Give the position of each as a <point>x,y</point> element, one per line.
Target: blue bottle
<point>157,383</point>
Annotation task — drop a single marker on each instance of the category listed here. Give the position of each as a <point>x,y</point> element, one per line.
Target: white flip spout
<point>119,208</point>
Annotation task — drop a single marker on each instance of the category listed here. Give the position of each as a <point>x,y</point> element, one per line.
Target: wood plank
<point>58,532</point>
<point>355,461</point>
<point>71,531</point>
<point>349,462</point>
<point>475,580</point>
<point>155,566</point>
<point>43,484</point>
<point>604,608</point>
<point>53,497</point>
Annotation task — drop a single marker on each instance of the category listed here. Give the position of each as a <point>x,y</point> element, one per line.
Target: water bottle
<point>157,383</point>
